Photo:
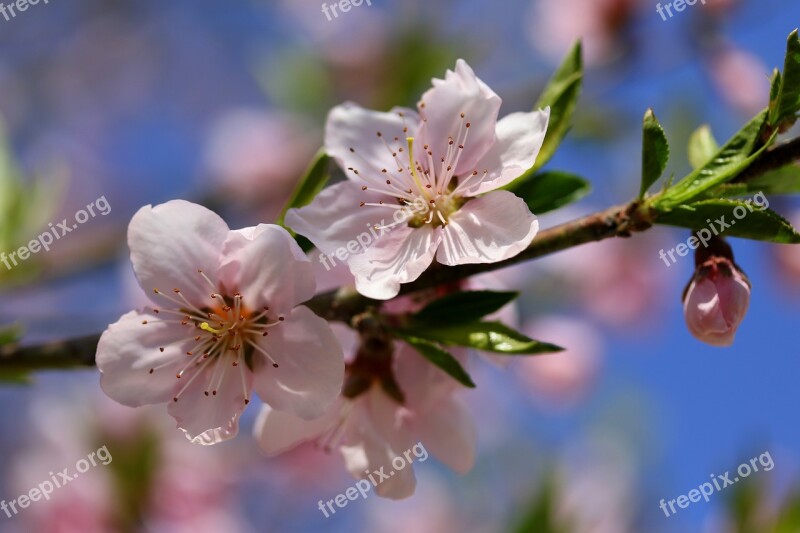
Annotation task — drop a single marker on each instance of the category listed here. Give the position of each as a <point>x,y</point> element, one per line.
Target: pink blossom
<point>373,428</point>
<point>716,301</point>
<point>225,320</point>
<point>257,156</point>
<point>741,78</point>
<point>562,379</point>
<point>434,175</point>
<point>188,489</point>
<point>555,25</point>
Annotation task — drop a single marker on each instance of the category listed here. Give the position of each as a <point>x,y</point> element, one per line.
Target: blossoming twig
<point>618,221</point>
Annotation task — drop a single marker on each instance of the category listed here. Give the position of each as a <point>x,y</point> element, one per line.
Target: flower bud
<point>717,297</point>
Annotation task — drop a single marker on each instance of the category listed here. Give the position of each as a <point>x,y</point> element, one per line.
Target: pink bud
<point>716,300</point>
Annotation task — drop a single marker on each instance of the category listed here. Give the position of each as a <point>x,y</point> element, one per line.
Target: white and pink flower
<point>225,321</point>
<point>451,158</point>
<point>372,428</point>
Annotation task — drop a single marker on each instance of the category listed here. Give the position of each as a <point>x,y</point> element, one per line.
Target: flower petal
<point>351,137</point>
<point>442,423</point>
<point>376,434</point>
<point>370,455</point>
<point>265,264</point>
<point>488,229</point>
<point>447,431</point>
<point>734,295</point>
<point>212,418</point>
<point>704,316</point>
<point>335,219</point>
<point>310,365</point>
<point>279,431</point>
<point>441,108</point>
<point>399,257</point>
<point>128,350</point>
<point>519,139</point>
<point>170,242</point>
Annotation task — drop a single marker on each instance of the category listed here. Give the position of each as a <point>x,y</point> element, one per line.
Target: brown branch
<point>344,304</point>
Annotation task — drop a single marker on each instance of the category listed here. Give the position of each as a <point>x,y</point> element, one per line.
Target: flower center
<point>423,191</point>
<point>225,335</point>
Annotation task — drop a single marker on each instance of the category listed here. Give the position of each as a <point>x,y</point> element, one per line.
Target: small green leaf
<point>15,377</point>
<point>541,515</point>
<point>785,105</point>
<point>774,88</point>
<point>440,358</point>
<point>737,154</point>
<point>465,306</point>
<point>549,190</point>
<point>313,181</point>
<point>487,336</point>
<point>561,94</point>
<point>655,151</point>
<point>784,180</point>
<point>758,224</point>
<point>9,334</point>
<point>702,146</point>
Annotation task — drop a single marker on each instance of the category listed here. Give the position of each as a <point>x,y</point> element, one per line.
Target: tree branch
<point>344,304</point>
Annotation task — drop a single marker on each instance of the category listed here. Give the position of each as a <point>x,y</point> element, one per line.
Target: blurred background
<point>223,103</point>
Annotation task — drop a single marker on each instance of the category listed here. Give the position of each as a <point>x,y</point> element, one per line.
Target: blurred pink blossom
<point>741,78</point>
<point>258,156</point>
<point>554,26</point>
<point>560,380</point>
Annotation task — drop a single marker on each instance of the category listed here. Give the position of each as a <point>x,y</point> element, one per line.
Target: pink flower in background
<point>257,156</point>
<point>606,279</point>
<point>716,301</point>
<point>179,488</point>
<point>425,184</point>
<point>227,321</point>
<point>562,379</point>
<point>741,78</point>
<point>373,428</point>
<point>555,25</point>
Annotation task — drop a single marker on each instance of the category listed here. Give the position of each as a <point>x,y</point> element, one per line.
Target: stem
<point>344,304</point>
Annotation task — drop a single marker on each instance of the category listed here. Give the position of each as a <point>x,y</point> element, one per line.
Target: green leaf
<point>729,161</point>
<point>440,358</point>
<point>466,306</point>
<point>774,87</point>
<point>784,180</point>
<point>12,376</point>
<point>15,377</point>
<point>655,151</point>
<point>541,515</point>
<point>702,146</point>
<point>561,94</point>
<point>785,105</point>
<point>9,334</point>
<point>549,190</point>
<point>313,181</point>
<point>760,225</point>
<point>487,336</point>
